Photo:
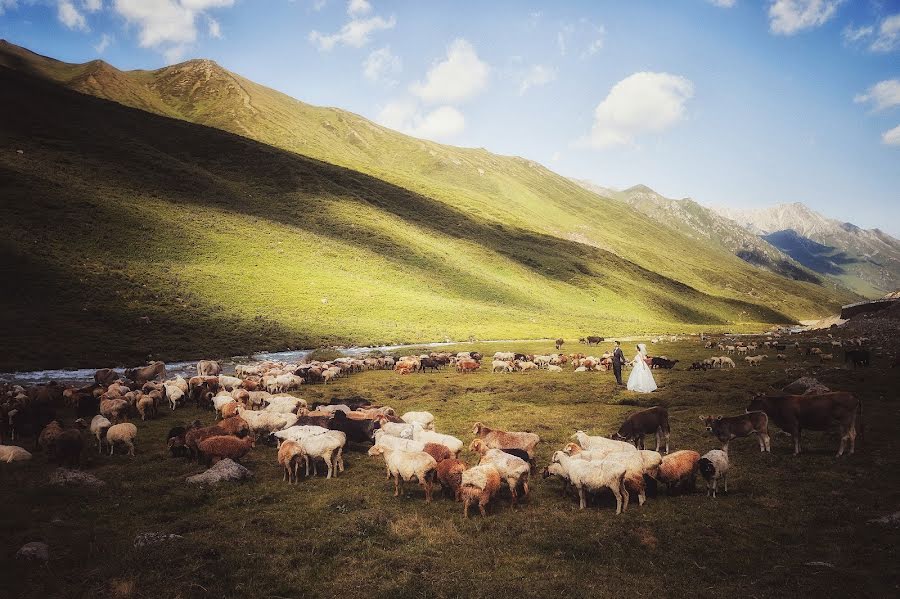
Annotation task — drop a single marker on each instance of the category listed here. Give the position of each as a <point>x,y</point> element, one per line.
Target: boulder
<point>154,538</point>
<point>63,477</point>
<point>806,385</point>
<point>34,550</point>
<point>224,470</point>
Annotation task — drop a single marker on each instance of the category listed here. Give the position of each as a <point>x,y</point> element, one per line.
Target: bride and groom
<point>640,379</point>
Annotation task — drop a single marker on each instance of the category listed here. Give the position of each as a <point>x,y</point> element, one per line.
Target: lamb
<point>13,453</point>
<point>678,470</point>
<point>726,361</point>
<point>219,447</point>
<point>385,439</point>
<point>329,447</point>
<point>500,366</point>
<point>397,429</point>
<point>513,470</point>
<point>554,368</point>
<point>449,441</point>
<point>495,438</point>
<point>290,456</point>
<point>406,465</point>
<point>99,426</point>
<point>426,419</point>
<point>124,433</point>
<point>591,476</point>
<point>222,399</point>
<point>449,475</point>
<point>713,466</point>
<point>479,485</point>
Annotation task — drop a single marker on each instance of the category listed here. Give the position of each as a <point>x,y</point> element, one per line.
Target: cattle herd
<point>254,406</point>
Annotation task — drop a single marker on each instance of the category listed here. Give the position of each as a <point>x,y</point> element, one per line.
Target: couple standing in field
<point>640,379</point>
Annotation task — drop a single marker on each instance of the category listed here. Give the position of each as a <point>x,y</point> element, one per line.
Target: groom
<point>618,359</point>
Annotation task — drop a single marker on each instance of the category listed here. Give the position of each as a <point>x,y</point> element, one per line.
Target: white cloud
<point>458,77</point>
<point>892,137</point>
<point>356,33</point>
<point>214,28</point>
<point>888,38</point>
<point>175,53</point>
<point>641,103</point>
<point>105,40</point>
<point>357,8</point>
<point>555,157</point>
<point>381,64</point>
<point>69,16</point>
<point>6,5</point>
<point>93,5</point>
<point>169,26</point>
<point>787,17</point>
<point>852,34</point>
<point>562,37</point>
<point>884,94</point>
<point>406,116</point>
<point>537,76</point>
<point>723,3</point>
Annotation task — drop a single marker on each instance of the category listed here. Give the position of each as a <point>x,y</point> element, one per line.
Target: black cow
<point>659,362</point>
<point>857,357</point>
<point>358,431</point>
<point>653,421</point>
<point>595,340</point>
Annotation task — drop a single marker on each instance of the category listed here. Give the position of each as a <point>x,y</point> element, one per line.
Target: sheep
<point>498,439</point>
<point>726,361</point>
<point>219,447</point>
<point>633,461</point>
<point>591,476</point>
<point>332,408</point>
<point>265,423</point>
<point>449,475</point>
<point>479,484</point>
<point>513,470</point>
<point>99,426</point>
<point>48,436</point>
<point>713,466</point>
<point>826,357</point>
<point>678,470</point>
<point>114,409</point>
<point>221,399</point>
<point>285,404</point>
<point>436,450</point>
<point>755,360</point>
<point>554,368</point>
<point>13,453</point>
<point>297,432</point>
<point>426,419</point>
<point>500,366</point>
<point>146,407</point>
<point>174,395</point>
<point>229,382</point>
<point>397,429</point>
<point>386,439</point>
<point>448,441</point>
<point>406,465</point>
<point>588,442</point>
<point>121,433</point>
<point>328,446</point>
<point>290,456</point>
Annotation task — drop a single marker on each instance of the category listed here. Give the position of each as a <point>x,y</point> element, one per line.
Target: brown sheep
<point>235,425</point>
<point>449,474</point>
<point>229,409</point>
<point>290,456</point>
<point>48,436</point>
<point>116,410</point>
<point>437,451</point>
<point>479,485</point>
<point>194,436</point>
<point>146,407</point>
<point>679,470</point>
<point>497,439</point>
<point>220,447</point>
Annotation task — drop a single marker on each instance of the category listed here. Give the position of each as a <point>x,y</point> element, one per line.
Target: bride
<point>641,379</point>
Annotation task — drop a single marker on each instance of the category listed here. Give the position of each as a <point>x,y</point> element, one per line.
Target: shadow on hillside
<point>818,257</point>
<point>204,166</point>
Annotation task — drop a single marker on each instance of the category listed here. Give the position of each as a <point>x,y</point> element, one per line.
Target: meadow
<point>790,526</point>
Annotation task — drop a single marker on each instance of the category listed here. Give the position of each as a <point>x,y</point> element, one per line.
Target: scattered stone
<point>34,550</point>
<point>145,539</point>
<point>225,470</point>
<point>806,385</point>
<point>63,477</point>
<point>889,520</point>
<point>819,564</point>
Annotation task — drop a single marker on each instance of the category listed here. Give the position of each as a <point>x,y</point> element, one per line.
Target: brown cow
<point>106,376</point>
<point>146,373</point>
<point>465,366</point>
<point>792,413</point>
<point>731,427</point>
<point>650,421</point>
<point>559,343</point>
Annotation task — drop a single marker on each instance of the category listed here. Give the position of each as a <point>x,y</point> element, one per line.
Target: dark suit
<point>618,359</point>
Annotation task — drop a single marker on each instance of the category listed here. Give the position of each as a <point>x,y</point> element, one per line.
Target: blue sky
<point>736,102</point>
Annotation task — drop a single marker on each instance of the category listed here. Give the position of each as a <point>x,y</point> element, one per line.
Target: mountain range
<point>235,218</point>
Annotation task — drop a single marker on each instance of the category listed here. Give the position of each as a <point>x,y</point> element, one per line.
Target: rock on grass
<point>63,477</point>
<point>35,550</point>
<point>225,470</point>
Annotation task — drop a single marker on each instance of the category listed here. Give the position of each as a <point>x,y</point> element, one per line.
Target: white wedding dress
<point>641,379</point>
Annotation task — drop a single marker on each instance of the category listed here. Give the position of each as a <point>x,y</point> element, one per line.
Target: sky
<point>745,103</point>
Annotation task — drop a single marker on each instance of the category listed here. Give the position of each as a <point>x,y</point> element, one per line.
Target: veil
<point>642,347</point>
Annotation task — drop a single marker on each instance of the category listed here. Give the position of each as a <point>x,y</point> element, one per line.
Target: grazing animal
<point>497,439</point>
<point>594,340</point>
<point>124,433</point>
<point>13,453</point>
<point>208,368</point>
<point>857,357</point>
<point>678,470</point>
<point>106,376</point>
<point>590,476</point>
<point>512,469</point>
<point>479,484</point>
<point>731,427</point>
<point>650,421</point>
<point>793,413</point>
<point>449,475</point>
<point>713,466</point>
<point>219,447</point>
<point>559,343</point>
<point>408,465</point>
<point>290,456</point>
<point>156,370</point>
<point>660,362</point>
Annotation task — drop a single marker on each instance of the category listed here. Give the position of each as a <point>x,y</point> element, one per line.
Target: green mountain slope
<point>229,244</point>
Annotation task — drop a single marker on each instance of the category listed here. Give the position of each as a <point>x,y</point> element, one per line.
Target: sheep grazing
<point>713,466</point>
<point>479,484</point>
<point>408,465</point>
<point>219,447</point>
<point>290,456</point>
<point>385,439</point>
<point>497,439</point>
<point>636,465</point>
<point>48,436</point>
<point>146,407</point>
<point>328,447</point>
<point>99,426</point>
<point>13,453</point>
<point>449,441</point>
<point>591,476</point>
<point>235,425</point>
<point>588,442</point>
<point>284,404</point>
<point>124,433</point>
<point>265,423</point>
<point>678,470</point>
<point>513,470</point>
<point>449,475</point>
<point>116,410</point>
<point>437,451</point>
<point>426,419</point>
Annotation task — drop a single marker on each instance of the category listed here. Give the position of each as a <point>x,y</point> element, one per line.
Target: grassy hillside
<point>231,245</point>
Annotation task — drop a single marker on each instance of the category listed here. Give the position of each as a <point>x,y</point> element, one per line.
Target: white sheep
<point>265,423</point>
<point>588,442</point>
<point>384,439</point>
<point>285,404</point>
<point>448,441</point>
<point>633,461</point>
<point>230,383</point>
<point>220,401</point>
<point>514,470</point>
<point>403,430</point>
<point>591,476</point>
<point>408,465</point>
<point>99,426</point>
<point>330,447</point>
<point>713,466</point>
<point>332,408</point>
<point>13,453</point>
<point>121,433</point>
<point>426,419</point>
<point>554,368</point>
<point>174,394</point>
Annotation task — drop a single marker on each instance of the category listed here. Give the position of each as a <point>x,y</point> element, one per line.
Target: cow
<point>726,428</point>
<point>793,413</point>
<point>106,376</point>
<point>857,357</point>
<point>465,366</point>
<point>595,340</point>
<point>146,373</point>
<point>650,421</point>
<point>208,368</point>
<point>429,363</point>
<point>357,431</point>
<point>660,362</point>
<point>559,343</point>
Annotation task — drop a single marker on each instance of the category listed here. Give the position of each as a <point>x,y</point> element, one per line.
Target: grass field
<point>791,526</point>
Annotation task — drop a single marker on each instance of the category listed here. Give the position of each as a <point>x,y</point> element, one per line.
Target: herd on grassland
<point>255,406</point>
